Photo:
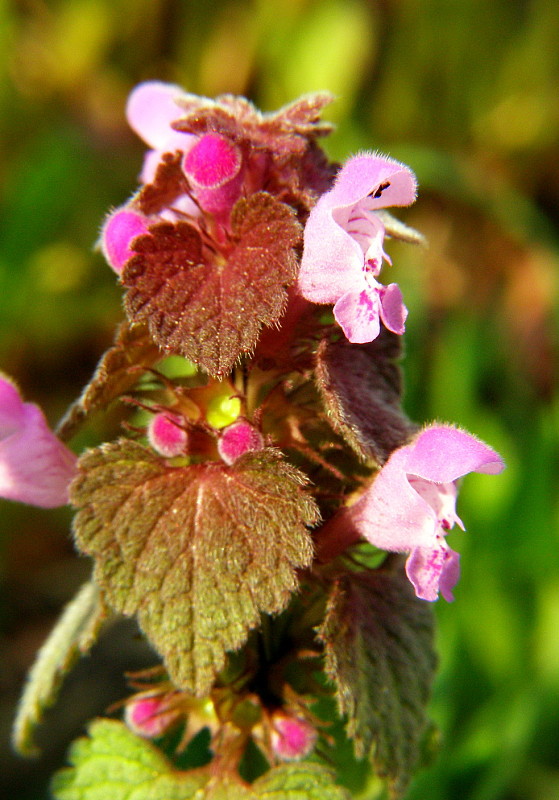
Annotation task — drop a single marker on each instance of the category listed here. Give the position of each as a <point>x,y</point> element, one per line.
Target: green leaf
<point>73,635</point>
<point>198,552</point>
<point>115,764</point>
<point>299,782</point>
<point>379,654</point>
<point>210,303</point>
<point>114,375</point>
<point>361,387</point>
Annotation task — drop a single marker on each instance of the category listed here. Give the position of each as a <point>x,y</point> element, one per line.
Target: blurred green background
<point>464,91</point>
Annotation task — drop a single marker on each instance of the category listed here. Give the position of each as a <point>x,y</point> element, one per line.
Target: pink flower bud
<point>213,167</point>
<point>165,434</point>
<point>237,439</point>
<point>293,737</point>
<point>148,716</point>
<point>213,161</point>
<point>118,232</point>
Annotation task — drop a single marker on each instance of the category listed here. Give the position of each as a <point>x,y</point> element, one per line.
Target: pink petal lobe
<point>357,313</point>
<point>433,570</point>
<point>442,454</point>
<point>393,312</point>
<point>150,110</point>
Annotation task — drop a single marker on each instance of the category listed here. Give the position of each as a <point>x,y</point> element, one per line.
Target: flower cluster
<point>273,444</point>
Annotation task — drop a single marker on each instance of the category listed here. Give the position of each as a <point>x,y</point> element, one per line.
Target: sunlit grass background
<point>464,91</point>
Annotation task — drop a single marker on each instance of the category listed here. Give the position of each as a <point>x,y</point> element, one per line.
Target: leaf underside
<point>73,635</point>
<point>197,552</point>
<point>378,640</point>
<point>361,387</point>
<point>207,306</point>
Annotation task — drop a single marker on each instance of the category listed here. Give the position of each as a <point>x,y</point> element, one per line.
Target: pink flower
<point>151,109</point>
<point>411,505</point>
<point>343,249</point>
<point>35,466</point>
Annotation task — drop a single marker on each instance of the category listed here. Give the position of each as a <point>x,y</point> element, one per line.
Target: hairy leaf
<point>299,782</point>
<point>379,653</point>
<point>114,375</point>
<point>198,552</point>
<point>113,763</point>
<point>361,386</point>
<point>73,635</point>
<point>209,304</point>
<point>169,183</point>
<point>283,133</point>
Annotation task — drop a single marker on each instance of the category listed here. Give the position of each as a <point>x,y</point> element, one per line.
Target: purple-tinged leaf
<point>197,552</point>
<point>210,306</point>
<point>378,640</point>
<point>361,387</point>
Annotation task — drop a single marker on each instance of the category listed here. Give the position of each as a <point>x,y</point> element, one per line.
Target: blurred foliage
<point>465,92</point>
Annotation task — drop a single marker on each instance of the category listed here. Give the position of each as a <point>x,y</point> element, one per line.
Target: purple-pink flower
<point>343,248</point>
<point>411,505</point>
<point>35,466</point>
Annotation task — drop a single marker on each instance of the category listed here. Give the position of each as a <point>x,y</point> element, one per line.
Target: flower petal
<point>332,261</point>
<point>442,453</point>
<point>391,514</point>
<point>366,175</point>
<point>393,312</point>
<point>150,110</point>
<point>357,313</point>
<point>35,466</point>
<point>432,570</point>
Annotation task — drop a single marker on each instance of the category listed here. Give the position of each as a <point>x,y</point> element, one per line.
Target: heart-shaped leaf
<point>208,302</point>
<point>197,552</point>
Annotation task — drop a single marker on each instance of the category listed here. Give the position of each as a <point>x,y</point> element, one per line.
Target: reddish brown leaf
<point>208,306</point>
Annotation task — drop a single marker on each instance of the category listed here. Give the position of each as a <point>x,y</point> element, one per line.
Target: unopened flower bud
<point>149,717</point>
<point>213,167</point>
<point>166,435</point>
<point>119,230</point>
<point>292,737</point>
<point>237,439</point>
